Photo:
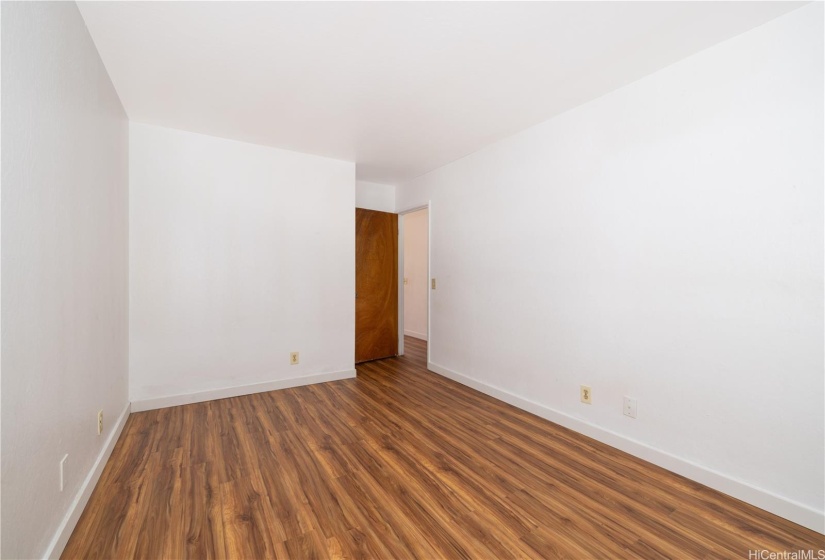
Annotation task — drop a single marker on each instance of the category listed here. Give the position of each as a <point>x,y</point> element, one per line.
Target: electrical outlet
<point>293,358</point>
<point>63,462</point>
<point>433,283</point>
<point>630,407</point>
<point>586,394</point>
<point>99,422</point>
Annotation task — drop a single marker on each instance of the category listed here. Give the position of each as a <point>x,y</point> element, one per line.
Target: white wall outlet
<point>99,422</point>
<point>63,465</point>
<point>630,407</point>
<point>293,358</point>
<point>586,394</point>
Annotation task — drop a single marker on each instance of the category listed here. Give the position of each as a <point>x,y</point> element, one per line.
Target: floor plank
<point>398,463</point>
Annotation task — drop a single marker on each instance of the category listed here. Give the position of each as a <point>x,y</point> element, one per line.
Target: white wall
<point>415,272</point>
<point>374,196</point>
<point>663,242</point>
<point>65,271</point>
<point>239,255</point>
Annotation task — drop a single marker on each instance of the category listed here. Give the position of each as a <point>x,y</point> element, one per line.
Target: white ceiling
<point>399,88</point>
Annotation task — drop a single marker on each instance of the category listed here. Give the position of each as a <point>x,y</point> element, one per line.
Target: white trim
<point>783,507</point>
<point>239,390</point>
<point>401,331</point>
<point>422,336</point>
<point>400,281</point>
<point>430,275</point>
<point>64,530</point>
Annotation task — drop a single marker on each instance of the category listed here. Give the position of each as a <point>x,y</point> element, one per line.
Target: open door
<point>376,285</point>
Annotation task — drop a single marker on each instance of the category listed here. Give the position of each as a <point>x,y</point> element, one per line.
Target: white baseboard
<point>422,336</point>
<point>791,510</point>
<point>239,390</point>
<point>64,530</point>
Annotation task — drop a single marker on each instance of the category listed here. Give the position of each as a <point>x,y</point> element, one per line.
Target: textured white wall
<point>239,255</point>
<point>374,196</point>
<point>415,271</point>
<point>663,242</point>
<point>64,263</point>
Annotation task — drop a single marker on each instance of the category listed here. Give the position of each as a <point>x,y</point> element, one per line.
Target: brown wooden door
<point>376,285</point>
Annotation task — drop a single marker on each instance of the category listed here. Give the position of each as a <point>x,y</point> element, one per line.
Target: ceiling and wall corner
<point>400,88</point>
<point>374,196</point>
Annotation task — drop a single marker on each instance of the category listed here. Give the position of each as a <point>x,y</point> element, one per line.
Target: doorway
<point>414,275</point>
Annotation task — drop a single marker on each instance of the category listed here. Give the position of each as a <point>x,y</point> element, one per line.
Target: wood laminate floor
<point>398,463</point>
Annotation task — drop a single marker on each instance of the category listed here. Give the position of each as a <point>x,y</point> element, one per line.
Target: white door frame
<point>401,214</point>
